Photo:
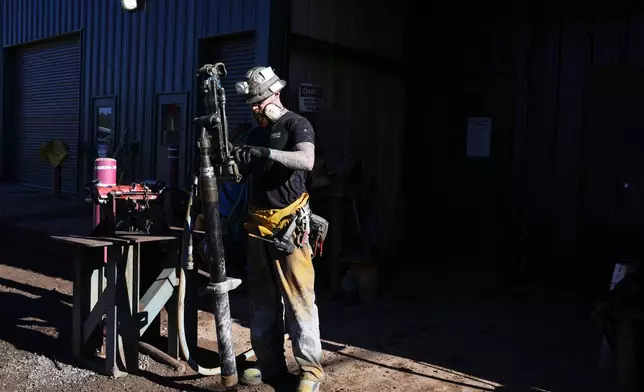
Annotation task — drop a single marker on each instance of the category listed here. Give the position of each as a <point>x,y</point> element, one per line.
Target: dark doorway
<point>612,186</point>
<point>170,134</point>
<point>237,52</point>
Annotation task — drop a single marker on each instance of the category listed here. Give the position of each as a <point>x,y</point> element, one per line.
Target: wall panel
<point>608,42</point>
<point>375,28</point>
<point>365,131</point>
<point>30,20</point>
<point>569,128</point>
<point>133,56</point>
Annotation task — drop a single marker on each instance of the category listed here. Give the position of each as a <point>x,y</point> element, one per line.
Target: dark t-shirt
<point>272,184</point>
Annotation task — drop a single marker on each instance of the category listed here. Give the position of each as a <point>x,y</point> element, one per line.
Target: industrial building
<point>542,190</point>
<point>479,149</point>
<point>113,82</point>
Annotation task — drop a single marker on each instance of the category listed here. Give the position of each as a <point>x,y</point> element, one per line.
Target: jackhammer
<point>224,168</point>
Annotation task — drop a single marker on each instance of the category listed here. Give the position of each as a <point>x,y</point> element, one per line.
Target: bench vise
<point>98,193</point>
<point>135,201</point>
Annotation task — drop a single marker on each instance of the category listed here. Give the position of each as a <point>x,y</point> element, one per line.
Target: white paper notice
<point>479,132</point>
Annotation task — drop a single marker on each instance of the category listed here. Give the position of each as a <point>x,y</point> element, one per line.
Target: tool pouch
<point>294,235</point>
<point>319,230</point>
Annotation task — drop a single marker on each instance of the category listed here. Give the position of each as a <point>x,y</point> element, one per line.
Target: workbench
<point>107,295</point>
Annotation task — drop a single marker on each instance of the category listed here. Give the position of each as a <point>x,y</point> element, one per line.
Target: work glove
<point>246,154</point>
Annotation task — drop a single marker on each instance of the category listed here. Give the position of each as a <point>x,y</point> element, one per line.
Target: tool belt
<point>319,230</point>
<point>308,228</point>
<point>295,229</point>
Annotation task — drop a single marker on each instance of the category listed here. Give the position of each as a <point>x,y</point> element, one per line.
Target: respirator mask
<point>271,113</point>
<point>259,84</point>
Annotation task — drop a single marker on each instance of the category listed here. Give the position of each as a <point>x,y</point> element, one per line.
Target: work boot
<point>308,386</point>
<point>256,375</point>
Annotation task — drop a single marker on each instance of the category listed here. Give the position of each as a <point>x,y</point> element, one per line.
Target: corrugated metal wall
<point>24,22</point>
<point>30,20</point>
<point>135,56</point>
<point>3,140</point>
<point>375,28</point>
<point>556,59</point>
<point>545,65</point>
<point>550,62</point>
<point>347,125</point>
<point>139,55</point>
<point>341,51</point>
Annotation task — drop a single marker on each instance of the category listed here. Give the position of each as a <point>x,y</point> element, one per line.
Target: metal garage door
<point>47,104</point>
<point>239,56</point>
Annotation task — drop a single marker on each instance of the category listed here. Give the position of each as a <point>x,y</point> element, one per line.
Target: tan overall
<point>281,287</point>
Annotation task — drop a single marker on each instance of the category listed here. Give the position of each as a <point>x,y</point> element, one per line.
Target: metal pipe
<point>187,262</point>
<point>161,357</point>
<point>183,344</point>
<point>220,284</point>
<point>214,253</point>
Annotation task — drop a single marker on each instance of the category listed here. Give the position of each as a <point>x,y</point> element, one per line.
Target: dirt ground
<point>442,343</point>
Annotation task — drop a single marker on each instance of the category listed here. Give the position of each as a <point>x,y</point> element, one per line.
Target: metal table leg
<point>111,273</point>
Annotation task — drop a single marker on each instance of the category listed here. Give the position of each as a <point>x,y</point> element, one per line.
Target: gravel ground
<point>444,343</point>
<point>30,372</point>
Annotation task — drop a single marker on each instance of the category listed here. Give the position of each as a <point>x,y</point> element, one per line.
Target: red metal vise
<point>98,193</point>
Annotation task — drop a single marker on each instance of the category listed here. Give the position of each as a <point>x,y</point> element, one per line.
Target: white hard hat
<point>259,84</point>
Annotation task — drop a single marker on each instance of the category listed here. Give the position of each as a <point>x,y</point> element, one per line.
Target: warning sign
<point>310,97</point>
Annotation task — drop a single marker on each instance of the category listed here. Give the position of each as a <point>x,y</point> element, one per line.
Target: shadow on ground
<point>525,340</point>
<point>35,251</point>
<point>32,319</point>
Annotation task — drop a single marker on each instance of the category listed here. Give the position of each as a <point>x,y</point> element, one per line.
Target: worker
<point>278,154</point>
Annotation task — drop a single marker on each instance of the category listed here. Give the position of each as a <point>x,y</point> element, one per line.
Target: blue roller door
<point>239,56</point>
<point>47,107</point>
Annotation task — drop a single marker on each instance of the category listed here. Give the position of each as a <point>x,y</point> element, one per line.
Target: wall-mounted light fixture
<point>132,5</point>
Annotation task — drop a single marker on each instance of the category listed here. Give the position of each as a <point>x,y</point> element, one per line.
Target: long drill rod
<point>220,284</point>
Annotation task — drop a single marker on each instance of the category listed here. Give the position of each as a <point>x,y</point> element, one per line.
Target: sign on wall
<point>479,133</point>
<point>310,97</point>
<point>102,150</point>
